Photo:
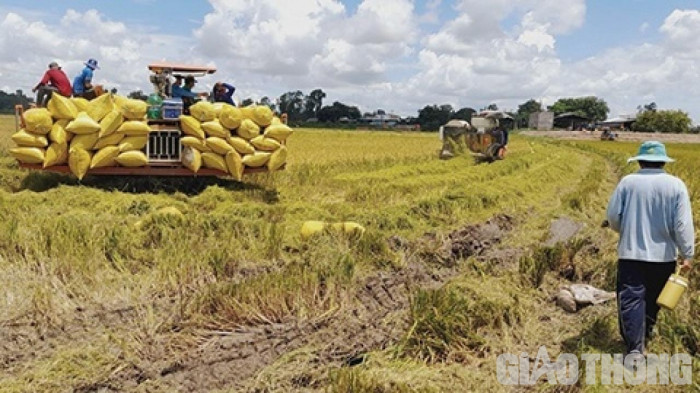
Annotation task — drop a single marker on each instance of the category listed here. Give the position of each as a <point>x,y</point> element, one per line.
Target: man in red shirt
<point>54,80</point>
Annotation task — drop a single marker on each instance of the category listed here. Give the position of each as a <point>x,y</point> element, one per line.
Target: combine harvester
<point>163,149</point>
<point>484,137</point>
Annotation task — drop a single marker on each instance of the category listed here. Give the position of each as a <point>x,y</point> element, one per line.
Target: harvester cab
<point>485,138</point>
<point>163,74</point>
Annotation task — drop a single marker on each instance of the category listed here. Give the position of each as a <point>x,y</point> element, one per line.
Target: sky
<point>395,55</point>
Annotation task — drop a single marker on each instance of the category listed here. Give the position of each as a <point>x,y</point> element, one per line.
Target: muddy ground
<point>377,317</point>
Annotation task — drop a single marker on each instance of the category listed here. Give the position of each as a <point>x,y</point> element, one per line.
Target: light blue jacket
<point>651,211</point>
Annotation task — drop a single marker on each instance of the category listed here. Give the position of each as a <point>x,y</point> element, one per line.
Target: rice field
<point>100,291</point>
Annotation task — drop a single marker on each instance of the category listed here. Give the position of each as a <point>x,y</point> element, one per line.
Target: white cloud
<point>384,55</point>
<point>27,45</point>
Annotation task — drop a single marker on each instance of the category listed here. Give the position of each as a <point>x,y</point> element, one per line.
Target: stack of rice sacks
<point>227,138</point>
<point>109,130</point>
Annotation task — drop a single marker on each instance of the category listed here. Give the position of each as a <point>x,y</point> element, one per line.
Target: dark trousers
<point>44,95</point>
<point>639,283</point>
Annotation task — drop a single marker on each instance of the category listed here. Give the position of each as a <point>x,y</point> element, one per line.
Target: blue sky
<point>390,54</point>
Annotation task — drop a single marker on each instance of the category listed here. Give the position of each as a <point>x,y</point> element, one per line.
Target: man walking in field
<point>651,211</point>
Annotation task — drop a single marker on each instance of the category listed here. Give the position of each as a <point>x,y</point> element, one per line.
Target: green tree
<point>648,107</point>
<point>334,112</point>
<point>522,117</point>
<point>432,117</point>
<point>137,95</point>
<point>247,102</point>
<point>590,107</point>
<point>292,103</point>
<point>313,103</point>
<point>464,114</point>
<point>668,121</point>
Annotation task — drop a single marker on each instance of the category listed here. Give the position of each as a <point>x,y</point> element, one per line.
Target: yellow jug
<point>671,294</point>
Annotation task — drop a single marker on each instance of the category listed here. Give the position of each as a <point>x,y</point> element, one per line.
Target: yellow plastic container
<point>671,294</point>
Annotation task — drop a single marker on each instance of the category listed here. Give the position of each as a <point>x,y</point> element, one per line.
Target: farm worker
<point>179,91</point>
<point>223,92</point>
<point>186,93</point>
<point>651,211</point>
<point>82,84</point>
<point>54,80</point>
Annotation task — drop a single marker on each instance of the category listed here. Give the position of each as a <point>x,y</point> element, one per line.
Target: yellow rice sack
<point>100,107</point>
<point>311,228</point>
<point>133,143</point>
<point>214,161</point>
<point>23,138</point>
<point>230,117</point>
<point>119,101</point>
<point>191,126</point>
<point>214,128</point>
<point>241,145</point>
<point>110,123</point>
<point>234,164</point>
<point>133,158</point>
<point>56,154</point>
<point>83,124</point>
<point>38,120</point>
<point>262,115</point>
<point>58,133</point>
<point>247,112</point>
<point>248,129</point>
<point>191,159</point>
<point>105,157</point>
<point>277,159</point>
<point>350,228</point>
<point>109,140</point>
<point>195,143</point>
<point>266,144</point>
<point>63,123</point>
<point>62,107</point>
<point>256,159</point>
<point>134,128</point>
<point>275,120</point>
<point>203,111</point>
<point>134,109</point>
<point>219,145</point>
<point>81,104</point>
<point>85,142</point>
<point>79,161</point>
<point>28,155</point>
<point>218,106</point>
<point>279,132</point>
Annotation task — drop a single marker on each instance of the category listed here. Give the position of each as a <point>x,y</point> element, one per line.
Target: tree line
<point>305,108</point>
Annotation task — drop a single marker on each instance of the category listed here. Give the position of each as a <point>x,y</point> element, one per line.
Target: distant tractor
<point>485,137</point>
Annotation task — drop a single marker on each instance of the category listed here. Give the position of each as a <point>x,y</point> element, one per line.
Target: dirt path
<point>622,136</point>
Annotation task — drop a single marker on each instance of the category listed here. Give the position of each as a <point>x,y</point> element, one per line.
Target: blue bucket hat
<point>652,151</point>
<point>92,63</point>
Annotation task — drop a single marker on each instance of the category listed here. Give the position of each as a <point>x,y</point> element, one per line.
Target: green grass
<point>234,259</point>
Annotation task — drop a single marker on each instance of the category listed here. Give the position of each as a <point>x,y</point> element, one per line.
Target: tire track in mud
<point>231,359</point>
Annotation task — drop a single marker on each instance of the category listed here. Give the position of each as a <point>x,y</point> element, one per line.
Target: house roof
<point>569,114</point>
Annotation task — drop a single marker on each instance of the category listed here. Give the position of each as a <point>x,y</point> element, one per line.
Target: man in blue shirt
<point>179,91</point>
<point>82,84</point>
<point>651,211</point>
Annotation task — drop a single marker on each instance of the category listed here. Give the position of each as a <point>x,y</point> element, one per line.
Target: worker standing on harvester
<point>223,92</point>
<point>651,211</point>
